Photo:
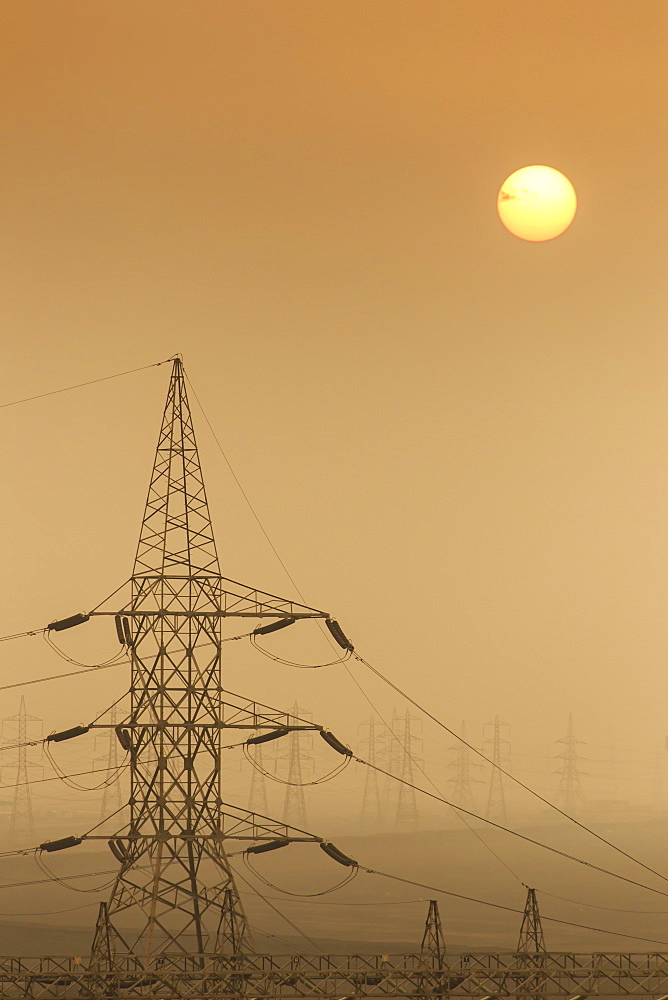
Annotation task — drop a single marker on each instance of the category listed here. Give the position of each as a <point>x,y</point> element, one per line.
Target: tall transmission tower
<point>371,745</point>
<point>463,780</point>
<point>175,891</point>
<point>498,748</point>
<point>17,732</point>
<point>569,790</point>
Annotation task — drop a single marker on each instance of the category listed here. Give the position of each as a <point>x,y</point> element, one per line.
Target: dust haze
<point>454,441</point>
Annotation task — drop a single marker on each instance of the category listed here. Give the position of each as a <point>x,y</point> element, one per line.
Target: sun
<point>536,203</point>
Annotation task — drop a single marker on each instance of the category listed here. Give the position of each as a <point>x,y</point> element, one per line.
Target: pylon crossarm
<point>225,599</point>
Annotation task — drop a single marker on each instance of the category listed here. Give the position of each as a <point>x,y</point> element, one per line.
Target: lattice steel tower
<point>175,891</point>
<point>371,747</point>
<point>569,792</point>
<point>19,730</point>
<point>497,747</point>
<point>463,780</point>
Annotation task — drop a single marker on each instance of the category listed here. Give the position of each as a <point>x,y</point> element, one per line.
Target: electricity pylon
<point>175,891</point>
<point>531,944</point>
<point>112,796</point>
<point>497,747</point>
<point>257,794</point>
<point>569,791</point>
<point>18,731</point>
<point>370,746</point>
<point>532,939</point>
<point>294,805</point>
<point>463,781</point>
<point>432,955</point>
<point>407,812</point>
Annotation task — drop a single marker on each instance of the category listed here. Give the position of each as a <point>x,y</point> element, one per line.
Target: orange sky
<point>456,440</point>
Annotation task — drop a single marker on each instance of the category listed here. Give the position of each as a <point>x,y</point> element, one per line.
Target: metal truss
<point>175,891</point>
<point>289,977</point>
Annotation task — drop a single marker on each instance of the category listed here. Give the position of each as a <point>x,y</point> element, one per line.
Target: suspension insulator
<point>117,850</point>
<point>124,737</point>
<point>337,632</point>
<point>335,744</point>
<point>60,845</point>
<point>67,734</point>
<point>274,627</point>
<point>266,737</point>
<point>68,622</point>
<point>119,629</point>
<point>128,633</point>
<point>338,855</point>
<point>272,845</point>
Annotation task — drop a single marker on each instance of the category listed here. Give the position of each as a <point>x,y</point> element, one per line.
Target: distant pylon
<point>112,796</point>
<point>569,791</point>
<point>17,731</point>
<point>406,817</point>
<point>257,795</point>
<point>294,806</point>
<point>463,781</point>
<point>532,939</point>
<point>497,747</point>
<point>371,814</point>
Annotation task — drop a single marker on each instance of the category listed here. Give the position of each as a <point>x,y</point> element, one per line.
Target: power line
<point>80,385</point>
<point>511,909</point>
<point>514,833</point>
<point>517,781</point>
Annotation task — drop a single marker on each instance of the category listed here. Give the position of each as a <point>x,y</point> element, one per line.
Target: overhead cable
<point>510,909</point>
<point>506,773</point>
<point>80,385</point>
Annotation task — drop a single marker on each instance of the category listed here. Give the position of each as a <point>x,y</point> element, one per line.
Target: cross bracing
<point>175,890</point>
<point>287,977</point>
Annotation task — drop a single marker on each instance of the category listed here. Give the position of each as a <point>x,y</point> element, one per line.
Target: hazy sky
<point>455,439</point>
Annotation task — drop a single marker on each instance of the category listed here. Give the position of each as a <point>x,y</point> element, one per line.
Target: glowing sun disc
<point>536,203</point>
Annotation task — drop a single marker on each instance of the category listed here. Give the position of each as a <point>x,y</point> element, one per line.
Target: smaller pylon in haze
<point>463,780</point>
<point>498,748</point>
<point>112,795</point>
<point>408,743</point>
<point>370,746</point>
<point>18,731</point>
<point>569,791</point>
<point>294,806</point>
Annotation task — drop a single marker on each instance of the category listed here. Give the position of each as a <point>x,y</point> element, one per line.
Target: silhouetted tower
<point>257,795</point>
<point>531,945</point>
<point>463,780</point>
<point>294,805</point>
<point>569,791</point>
<point>497,747</point>
<point>370,748</point>
<point>112,795</point>
<point>19,732</point>
<point>432,948</point>
<point>175,891</point>
<point>532,939</point>
<point>406,817</point>
<point>432,955</point>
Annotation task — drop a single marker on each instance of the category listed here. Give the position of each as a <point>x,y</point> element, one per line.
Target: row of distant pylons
<point>386,804</point>
<point>21,757</point>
